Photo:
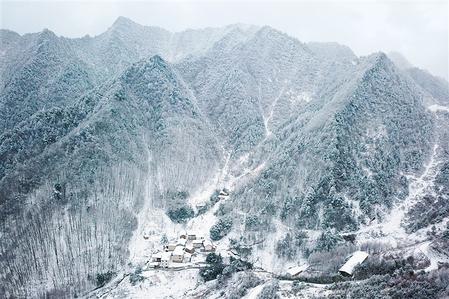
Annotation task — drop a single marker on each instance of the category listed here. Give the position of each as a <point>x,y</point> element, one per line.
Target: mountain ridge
<point>110,142</point>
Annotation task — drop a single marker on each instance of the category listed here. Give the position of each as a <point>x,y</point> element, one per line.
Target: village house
<point>156,257</point>
<point>296,270</point>
<point>190,249</point>
<point>165,259</point>
<point>191,236</point>
<point>170,247</point>
<point>197,243</point>
<point>178,254</point>
<point>356,259</point>
<point>208,246</point>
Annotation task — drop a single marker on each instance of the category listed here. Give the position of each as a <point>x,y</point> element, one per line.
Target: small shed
<point>165,259</point>
<point>189,248</point>
<point>178,254</point>
<point>224,192</point>
<point>201,206</point>
<point>208,246</point>
<point>157,257</point>
<point>356,259</point>
<point>197,243</point>
<point>146,236</point>
<point>296,270</point>
<point>191,236</point>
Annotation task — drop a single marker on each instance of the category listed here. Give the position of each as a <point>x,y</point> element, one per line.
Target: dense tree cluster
<point>221,228</point>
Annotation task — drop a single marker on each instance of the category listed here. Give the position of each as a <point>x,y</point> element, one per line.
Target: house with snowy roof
<point>178,254</point>
<point>296,270</point>
<point>165,259</point>
<point>208,246</point>
<point>356,259</point>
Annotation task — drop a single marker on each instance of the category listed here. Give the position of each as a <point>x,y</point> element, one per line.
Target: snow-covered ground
<point>175,284</point>
<point>254,292</point>
<point>437,108</point>
<point>434,257</point>
<point>391,230</point>
<point>158,284</point>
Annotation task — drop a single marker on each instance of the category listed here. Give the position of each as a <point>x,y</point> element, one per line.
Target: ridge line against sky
<point>417,29</point>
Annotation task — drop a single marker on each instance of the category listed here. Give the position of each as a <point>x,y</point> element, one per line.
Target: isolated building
<point>296,270</point>
<point>224,192</point>
<point>356,259</point>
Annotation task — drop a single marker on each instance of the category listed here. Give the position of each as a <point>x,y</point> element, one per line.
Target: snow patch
<point>437,108</point>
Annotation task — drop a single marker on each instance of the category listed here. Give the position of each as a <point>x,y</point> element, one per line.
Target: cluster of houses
<point>181,250</point>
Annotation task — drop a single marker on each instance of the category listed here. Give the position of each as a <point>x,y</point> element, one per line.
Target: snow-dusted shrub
<point>223,209</point>
<point>177,208</point>
<point>104,278</point>
<point>285,247</point>
<point>221,228</point>
<point>215,267</point>
<point>269,291</point>
<point>240,283</point>
<point>136,277</point>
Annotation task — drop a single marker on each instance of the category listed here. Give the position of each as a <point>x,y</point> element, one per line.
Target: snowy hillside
<point>233,162</point>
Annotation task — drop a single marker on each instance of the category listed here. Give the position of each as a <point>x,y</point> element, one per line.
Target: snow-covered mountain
<point>114,143</point>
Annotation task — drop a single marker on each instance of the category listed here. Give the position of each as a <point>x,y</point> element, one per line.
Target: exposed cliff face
<point>95,130</point>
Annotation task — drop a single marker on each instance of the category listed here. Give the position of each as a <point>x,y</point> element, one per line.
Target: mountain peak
<point>123,24</point>
<point>149,68</point>
<point>47,34</point>
<point>121,20</point>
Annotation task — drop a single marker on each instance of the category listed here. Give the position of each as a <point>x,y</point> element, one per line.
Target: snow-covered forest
<point>279,153</point>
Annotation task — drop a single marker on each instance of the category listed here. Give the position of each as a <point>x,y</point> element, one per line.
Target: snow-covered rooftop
<point>179,250</point>
<point>356,259</point>
<point>297,269</point>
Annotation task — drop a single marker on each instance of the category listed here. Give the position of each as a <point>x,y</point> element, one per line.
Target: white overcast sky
<point>417,29</point>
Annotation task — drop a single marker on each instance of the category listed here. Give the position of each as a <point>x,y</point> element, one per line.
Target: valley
<point>210,163</point>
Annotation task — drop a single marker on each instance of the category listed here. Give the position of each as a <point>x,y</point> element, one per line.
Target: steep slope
<point>345,158</point>
<point>438,88</point>
<point>70,201</point>
<point>103,143</point>
<point>241,80</point>
<point>8,39</point>
<point>126,42</point>
<point>40,71</point>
